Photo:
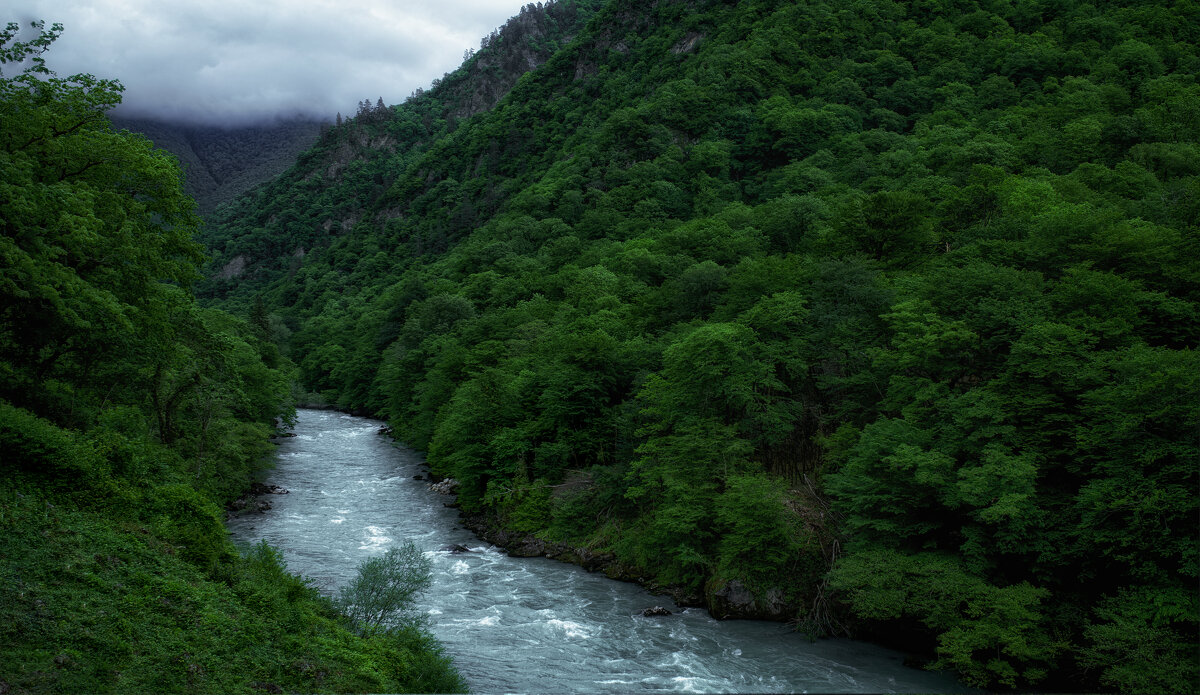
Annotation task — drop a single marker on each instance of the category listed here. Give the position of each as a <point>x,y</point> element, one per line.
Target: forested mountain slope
<point>129,415</point>
<point>337,183</point>
<point>883,312</point>
<point>220,163</point>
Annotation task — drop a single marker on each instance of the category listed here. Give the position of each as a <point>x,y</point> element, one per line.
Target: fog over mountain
<point>234,63</point>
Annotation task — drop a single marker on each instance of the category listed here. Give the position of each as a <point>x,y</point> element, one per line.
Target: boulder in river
<point>455,549</point>
<point>655,612</point>
<point>445,487</point>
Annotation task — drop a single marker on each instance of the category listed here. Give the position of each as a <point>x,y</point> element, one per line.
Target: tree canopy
<point>904,294</point>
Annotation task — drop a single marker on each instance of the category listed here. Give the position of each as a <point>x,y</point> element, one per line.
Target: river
<point>531,625</point>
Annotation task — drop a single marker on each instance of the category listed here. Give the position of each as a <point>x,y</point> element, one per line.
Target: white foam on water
<point>338,520</point>
<point>376,538</point>
<point>682,634</point>
<point>677,662</point>
<point>570,628</point>
<point>689,684</point>
<point>487,621</point>
<point>460,567</point>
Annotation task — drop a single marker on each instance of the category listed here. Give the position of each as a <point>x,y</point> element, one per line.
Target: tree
<point>380,598</point>
<point>96,228</point>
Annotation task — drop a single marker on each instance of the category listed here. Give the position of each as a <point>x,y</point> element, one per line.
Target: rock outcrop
<point>733,599</point>
<point>446,486</point>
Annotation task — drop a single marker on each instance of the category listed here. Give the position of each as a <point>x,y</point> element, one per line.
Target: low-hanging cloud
<point>231,63</point>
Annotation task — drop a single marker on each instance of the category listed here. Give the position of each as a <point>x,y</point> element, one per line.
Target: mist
<point>238,63</point>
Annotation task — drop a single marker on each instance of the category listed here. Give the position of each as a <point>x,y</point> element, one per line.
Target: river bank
<point>732,600</point>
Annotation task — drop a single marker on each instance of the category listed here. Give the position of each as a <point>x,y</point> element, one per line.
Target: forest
<point>129,416</point>
<point>884,310</point>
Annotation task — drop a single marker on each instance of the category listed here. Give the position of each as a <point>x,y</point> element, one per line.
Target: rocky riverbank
<point>725,600</point>
<point>252,500</point>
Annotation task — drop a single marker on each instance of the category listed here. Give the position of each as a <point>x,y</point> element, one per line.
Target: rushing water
<point>532,625</point>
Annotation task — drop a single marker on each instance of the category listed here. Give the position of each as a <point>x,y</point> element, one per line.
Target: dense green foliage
<point>128,416</point>
<point>935,261</point>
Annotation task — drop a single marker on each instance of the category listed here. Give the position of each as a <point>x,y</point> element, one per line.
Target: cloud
<point>233,62</point>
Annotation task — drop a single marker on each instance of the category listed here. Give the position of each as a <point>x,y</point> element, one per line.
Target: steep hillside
<point>875,316</point>
<point>336,184</point>
<point>221,163</point>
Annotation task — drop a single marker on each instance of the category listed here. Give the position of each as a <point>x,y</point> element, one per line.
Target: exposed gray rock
<point>736,600</point>
<point>445,487</point>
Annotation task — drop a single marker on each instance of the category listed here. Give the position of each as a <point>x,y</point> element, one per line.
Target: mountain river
<point>531,625</point>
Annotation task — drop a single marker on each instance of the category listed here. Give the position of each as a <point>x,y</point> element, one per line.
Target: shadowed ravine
<point>531,624</point>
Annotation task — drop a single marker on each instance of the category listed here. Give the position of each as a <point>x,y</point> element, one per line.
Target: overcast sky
<point>229,61</point>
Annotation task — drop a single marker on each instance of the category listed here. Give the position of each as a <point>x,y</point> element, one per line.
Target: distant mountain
<point>222,163</point>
